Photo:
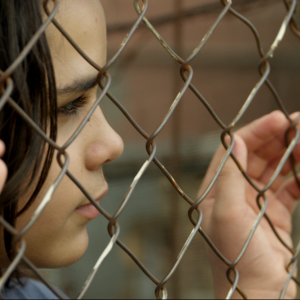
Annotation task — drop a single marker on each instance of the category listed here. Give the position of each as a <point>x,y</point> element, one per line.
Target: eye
<point>73,107</point>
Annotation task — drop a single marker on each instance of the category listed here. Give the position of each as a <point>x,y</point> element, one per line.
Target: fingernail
<point>294,115</point>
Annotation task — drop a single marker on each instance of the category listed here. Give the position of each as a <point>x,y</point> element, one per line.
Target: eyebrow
<point>77,86</point>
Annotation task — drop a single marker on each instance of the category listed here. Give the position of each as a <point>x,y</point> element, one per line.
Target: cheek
<point>59,236</point>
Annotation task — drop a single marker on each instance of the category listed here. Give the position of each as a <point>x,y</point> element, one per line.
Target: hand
<point>3,168</point>
<point>230,210</point>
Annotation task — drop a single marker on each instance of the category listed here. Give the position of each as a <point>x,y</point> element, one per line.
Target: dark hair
<point>35,92</point>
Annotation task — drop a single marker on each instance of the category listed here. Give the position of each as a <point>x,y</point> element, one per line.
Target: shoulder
<point>31,289</point>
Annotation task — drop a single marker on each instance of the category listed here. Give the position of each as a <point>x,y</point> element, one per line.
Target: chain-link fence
<point>185,66</point>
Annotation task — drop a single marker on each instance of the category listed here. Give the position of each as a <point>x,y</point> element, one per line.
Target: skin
<point>3,168</point>
<point>59,237</point>
<point>230,210</point>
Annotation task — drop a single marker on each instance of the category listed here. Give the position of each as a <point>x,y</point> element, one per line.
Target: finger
<point>3,168</point>
<point>286,169</point>
<point>266,136</point>
<point>211,171</point>
<point>3,174</point>
<point>231,185</point>
<point>2,148</point>
<point>289,193</point>
<point>264,139</point>
<point>257,166</point>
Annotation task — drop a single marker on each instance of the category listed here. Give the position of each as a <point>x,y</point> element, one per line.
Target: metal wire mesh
<point>195,214</point>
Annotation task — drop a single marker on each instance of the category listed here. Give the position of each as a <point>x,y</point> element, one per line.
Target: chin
<point>57,255</point>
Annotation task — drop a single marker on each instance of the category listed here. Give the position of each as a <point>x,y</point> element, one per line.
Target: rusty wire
<point>195,214</point>
<point>202,9</point>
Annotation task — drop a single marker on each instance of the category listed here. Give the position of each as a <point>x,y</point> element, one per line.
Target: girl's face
<point>59,237</point>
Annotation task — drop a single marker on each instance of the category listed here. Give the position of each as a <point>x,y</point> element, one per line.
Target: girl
<point>57,88</point>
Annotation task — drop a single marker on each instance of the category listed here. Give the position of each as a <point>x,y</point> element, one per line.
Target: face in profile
<point>59,236</point>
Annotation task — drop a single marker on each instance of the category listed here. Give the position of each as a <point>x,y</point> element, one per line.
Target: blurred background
<point>146,80</point>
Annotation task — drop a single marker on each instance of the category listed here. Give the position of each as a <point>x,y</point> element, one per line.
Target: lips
<point>88,210</point>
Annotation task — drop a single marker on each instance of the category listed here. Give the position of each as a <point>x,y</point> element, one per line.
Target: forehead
<point>84,21</point>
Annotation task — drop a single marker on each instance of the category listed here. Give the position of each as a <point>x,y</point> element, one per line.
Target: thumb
<point>231,185</point>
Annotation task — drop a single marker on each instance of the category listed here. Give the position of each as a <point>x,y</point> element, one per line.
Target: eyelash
<point>71,109</point>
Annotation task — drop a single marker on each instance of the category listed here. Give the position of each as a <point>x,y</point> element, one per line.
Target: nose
<point>104,144</point>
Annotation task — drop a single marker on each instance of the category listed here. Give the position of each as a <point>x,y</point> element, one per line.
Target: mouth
<point>88,210</point>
